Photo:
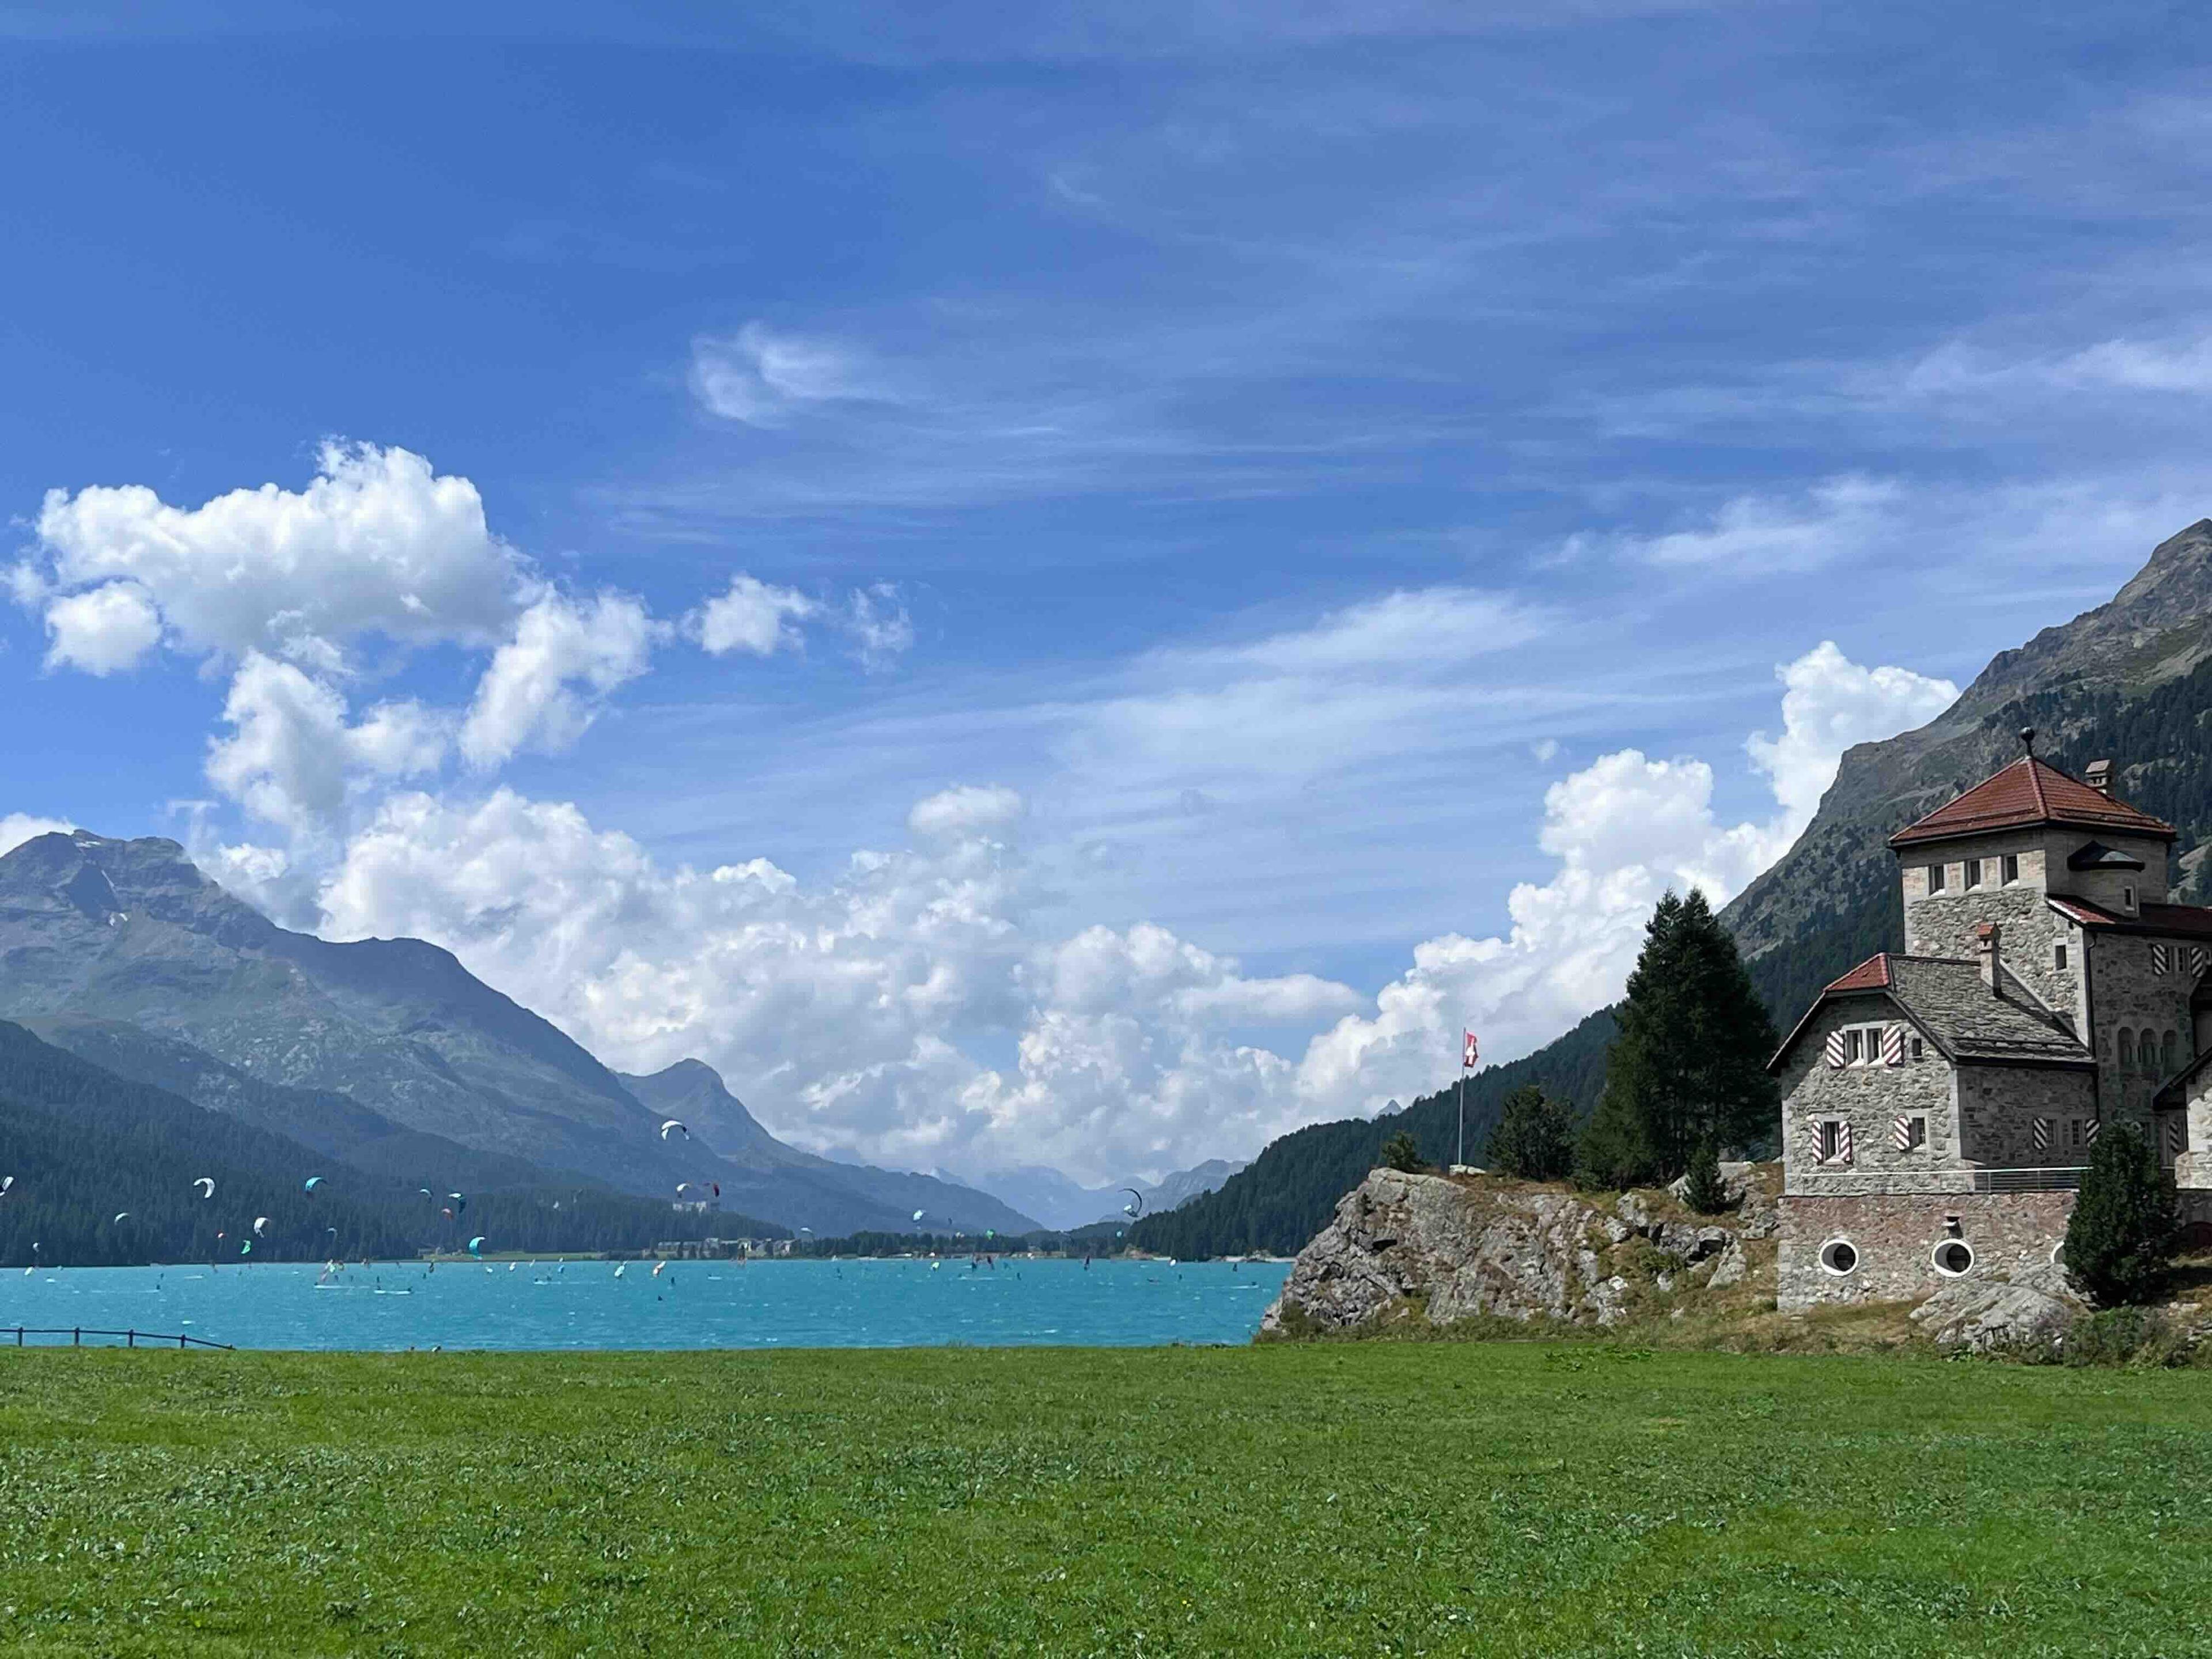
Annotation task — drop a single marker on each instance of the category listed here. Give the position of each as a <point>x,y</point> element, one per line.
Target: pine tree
<point>1402,1152</point>
<point>1703,1189</point>
<point>2123,1232</point>
<point>1534,1139</point>
<point>1690,1064</point>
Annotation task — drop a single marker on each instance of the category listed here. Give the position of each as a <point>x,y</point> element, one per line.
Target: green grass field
<point>1434,1498</point>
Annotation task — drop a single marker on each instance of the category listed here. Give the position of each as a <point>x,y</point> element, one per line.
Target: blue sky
<point>1276,461</point>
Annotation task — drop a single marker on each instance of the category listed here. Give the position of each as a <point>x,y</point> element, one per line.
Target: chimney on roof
<point>2097,775</point>
<point>2027,738</point>
<point>1985,952</point>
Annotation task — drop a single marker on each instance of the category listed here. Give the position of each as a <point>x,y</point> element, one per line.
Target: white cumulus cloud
<point>751,616</point>
<point>376,543</point>
<point>291,754</point>
<point>544,683</point>
<point>1828,704</point>
<point>965,810</point>
<point>103,629</point>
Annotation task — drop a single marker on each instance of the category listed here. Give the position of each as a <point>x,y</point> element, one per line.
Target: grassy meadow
<point>1413,1498</point>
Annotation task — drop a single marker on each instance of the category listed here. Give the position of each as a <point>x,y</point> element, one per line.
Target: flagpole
<point>1466,1065</point>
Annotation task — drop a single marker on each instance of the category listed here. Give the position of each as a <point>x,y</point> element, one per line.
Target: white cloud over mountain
<point>934,1004</point>
<point>849,1012</point>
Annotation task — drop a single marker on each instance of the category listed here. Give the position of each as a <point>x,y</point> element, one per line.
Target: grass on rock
<point>1437,1497</point>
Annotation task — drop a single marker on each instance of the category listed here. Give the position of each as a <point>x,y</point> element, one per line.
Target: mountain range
<point>2129,682</point>
<point>388,1054</point>
<point>99,1169</point>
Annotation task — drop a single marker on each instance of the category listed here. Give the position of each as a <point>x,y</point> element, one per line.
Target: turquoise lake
<point>691,1304</point>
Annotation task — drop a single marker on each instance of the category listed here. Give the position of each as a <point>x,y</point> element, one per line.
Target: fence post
<point>130,1339</point>
<point>77,1336</point>
<point>180,1341</point>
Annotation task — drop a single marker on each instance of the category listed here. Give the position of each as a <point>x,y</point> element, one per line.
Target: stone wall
<point>1868,1097</point>
<point>2130,994</point>
<point>1998,1106</point>
<point>1895,1234</point>
<point>1942,924</point>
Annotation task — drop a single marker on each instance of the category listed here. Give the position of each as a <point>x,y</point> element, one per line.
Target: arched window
<point>2169,1056</point>
<point>2127,1051</point>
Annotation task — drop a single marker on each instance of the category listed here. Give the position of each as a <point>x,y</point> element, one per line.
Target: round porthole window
<point>1839,1256</point>
<point>1953,1257</point>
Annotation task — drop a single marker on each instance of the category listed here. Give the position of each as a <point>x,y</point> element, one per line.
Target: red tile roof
<point>2030,792</point>
<point>1872,975</point>
<point>2174,921</point>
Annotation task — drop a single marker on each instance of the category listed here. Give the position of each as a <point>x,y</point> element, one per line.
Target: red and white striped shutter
<point>2161,958</point>
<point>1844,1141</point>
<point>2193,960</point>
<point>1835,1050</point>
<point>1900,1134</point>
<point>1892,1046</point>
<point>2039,1133</point>
<point>2089,1130</point>
<point>1812,1138</point>
<point>2177,1135</point>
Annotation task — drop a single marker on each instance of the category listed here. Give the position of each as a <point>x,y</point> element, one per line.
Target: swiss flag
<point>1467,1058</point>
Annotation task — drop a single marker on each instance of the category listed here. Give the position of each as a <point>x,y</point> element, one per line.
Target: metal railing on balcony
<point>2047,1180</point>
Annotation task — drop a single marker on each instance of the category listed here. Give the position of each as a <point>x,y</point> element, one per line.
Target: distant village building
<point>1939,1106</point>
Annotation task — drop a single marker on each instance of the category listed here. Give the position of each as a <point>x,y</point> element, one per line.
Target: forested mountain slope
<point>80,1146</point>
<point>131,933</point>
<point>2131,681</point>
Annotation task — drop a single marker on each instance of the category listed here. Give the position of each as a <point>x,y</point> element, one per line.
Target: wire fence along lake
<point>688,1305</point>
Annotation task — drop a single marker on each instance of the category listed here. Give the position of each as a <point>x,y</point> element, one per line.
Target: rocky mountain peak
<point>102,880</point>
<point>2159,625</point>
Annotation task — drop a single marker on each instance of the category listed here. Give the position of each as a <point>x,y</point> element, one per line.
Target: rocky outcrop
<point>1403,1248</point>
<point>1452,1248</point>
<point>2032,1308</point>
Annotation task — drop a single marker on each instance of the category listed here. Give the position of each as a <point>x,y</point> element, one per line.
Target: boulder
<point>2030,1307</point>
<point>1730,1267</point>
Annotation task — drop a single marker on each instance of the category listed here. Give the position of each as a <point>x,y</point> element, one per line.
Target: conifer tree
<point>1690,1064</point>
<point>1402,1152</point>
<point>2121,1235</point>
<point>1534,1139</point>
<point>1703,1189</point>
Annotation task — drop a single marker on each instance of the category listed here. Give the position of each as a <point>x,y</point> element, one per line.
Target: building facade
<point>1939,1104</point>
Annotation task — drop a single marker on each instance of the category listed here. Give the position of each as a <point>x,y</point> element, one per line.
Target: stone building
<point>1939,1105</point>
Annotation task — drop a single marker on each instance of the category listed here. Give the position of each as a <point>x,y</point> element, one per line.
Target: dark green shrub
<point>1401,1151</point>
<point>2125,1336</point>
<point>2122,1237</point>
<point>1534,1137</point>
